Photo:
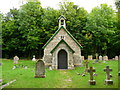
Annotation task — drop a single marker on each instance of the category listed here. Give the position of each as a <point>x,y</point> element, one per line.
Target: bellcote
<point>62,21</point>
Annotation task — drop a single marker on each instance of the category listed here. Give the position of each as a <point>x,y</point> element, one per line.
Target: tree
<point>100,28</point>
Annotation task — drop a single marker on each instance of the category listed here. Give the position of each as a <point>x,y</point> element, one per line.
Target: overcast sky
<point>6,5</point>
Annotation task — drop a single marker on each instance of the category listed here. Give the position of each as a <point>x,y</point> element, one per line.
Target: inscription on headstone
<point>40,69</point>
<point>91,81</point>
<point>108,81</point>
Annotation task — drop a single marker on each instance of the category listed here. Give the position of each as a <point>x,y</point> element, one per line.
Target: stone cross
<point>40,69</point>
<point>107,70</point>
<point>86,65</point>
<point>91,70</point>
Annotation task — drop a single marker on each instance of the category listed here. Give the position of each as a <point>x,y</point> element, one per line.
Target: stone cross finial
<point>107,70</point>
<point>91,70</point>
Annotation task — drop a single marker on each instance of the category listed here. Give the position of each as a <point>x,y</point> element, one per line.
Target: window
<point>62,22</point>
<point>62,37</point>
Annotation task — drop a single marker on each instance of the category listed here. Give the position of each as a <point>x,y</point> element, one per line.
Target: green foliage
<point>26,30</point>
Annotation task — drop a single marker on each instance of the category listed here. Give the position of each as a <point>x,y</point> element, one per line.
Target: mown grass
<point>57,78</point>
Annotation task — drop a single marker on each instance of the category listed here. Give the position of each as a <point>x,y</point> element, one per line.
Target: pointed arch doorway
<point>62,59</point>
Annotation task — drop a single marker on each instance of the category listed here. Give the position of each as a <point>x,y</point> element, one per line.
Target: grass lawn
<point>56,78</point>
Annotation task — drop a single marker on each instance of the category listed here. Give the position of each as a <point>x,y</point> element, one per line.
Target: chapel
<point>62,50</point>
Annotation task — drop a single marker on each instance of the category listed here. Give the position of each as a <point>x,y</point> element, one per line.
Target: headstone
<point>50,68</point>
<point>108,81</point>
<point>90,57</point>
<point>0,64</point>
<point>86,66</point>
<point>116,57</point>
<point>33,58</point>
<point>100,57</point>
<point>16,58</point>
<point>91,81</point>
<point>82,57</point>
<point>105,58</point>
<point>40,69</point>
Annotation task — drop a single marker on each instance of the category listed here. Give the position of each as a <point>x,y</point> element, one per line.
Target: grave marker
<point>100,57</point>
<point>86,66</point>
<point>90,57</point>
<point>116,57</point>
<point>33,58</point>
<point>16,58</point>
<point>91,81</point>
<point>82,57</point>
<point>108,81</point>
<point>105,58</point>
<point>40,69</point>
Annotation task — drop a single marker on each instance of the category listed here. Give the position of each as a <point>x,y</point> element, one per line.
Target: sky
<point>6,5</point>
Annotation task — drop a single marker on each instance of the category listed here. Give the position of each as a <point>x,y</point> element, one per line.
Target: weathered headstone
<point>40,69</point>
<point>116,57</point>
<point>82,57</point>
<point>91,81</point>
<point>16,58</point>
<point>105,58</point>
<point>100,57</point>
<point>90,57</point>
<point>108,81</point>
<point>33,58</point>
<point>96,56</point>
<point>0,64</point>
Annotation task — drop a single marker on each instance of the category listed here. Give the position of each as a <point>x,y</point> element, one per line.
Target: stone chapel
<point>62,50</point>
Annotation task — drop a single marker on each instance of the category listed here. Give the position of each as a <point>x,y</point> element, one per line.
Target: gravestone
<point>116,57</point>
<point>86,66</point>
<point>33,58</point>
<point>16,58</point>
<point>40,69</point>
<point>90,57</point>
<point>91,81</point>
<point>105,58</point>
<point>14,67</point>
<point>50,68</point>
<point>100,57</point>
<point>108,81</point>
<point>96,61</point>
<point>82,57</point>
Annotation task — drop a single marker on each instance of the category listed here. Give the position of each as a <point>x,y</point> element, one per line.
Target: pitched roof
<point>59,44</point>
<point>61,17</point>
<point>66,32</point>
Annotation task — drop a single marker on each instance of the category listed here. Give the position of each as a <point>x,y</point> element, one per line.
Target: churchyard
<point>24,75</point>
